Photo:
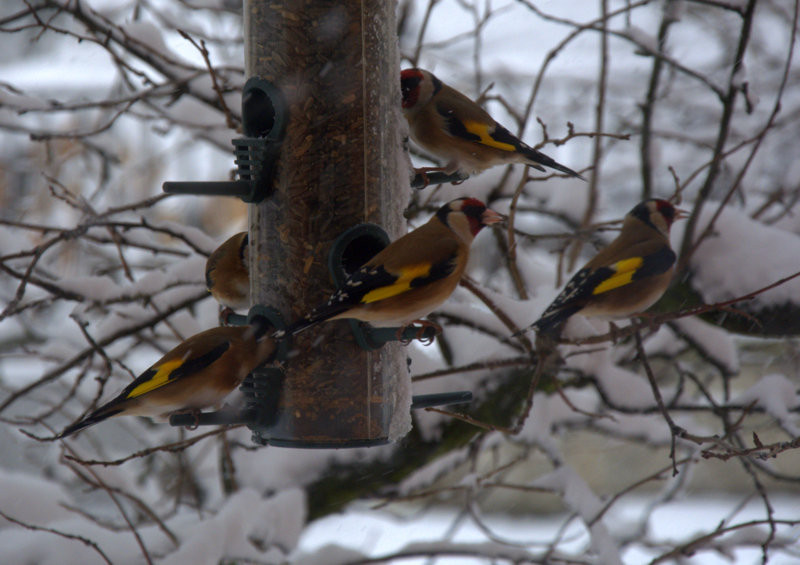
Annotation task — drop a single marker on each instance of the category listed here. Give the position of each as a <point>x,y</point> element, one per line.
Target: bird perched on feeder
<point>411,276</point>
<point>198,373</point>
<point>626,277</point>
<point>454,128</point>
<point>228,273</point>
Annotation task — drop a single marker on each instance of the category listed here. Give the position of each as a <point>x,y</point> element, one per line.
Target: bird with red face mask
<point>198,373</point>
<point>625,278</point>
<point>457,130</point>
<point>411,276</point>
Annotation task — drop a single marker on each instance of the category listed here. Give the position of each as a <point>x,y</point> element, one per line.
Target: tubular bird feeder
<point>322,166</point>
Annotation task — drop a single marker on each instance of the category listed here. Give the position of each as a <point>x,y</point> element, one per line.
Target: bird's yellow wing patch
<point>159,379</point>
<point>400,285</point>
<point>482,131</point>
<point>623,274</point>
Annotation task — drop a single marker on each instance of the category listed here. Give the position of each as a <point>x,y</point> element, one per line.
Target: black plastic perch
<point>440,399</point>
<point>349,252</point>
<point>263,388</point>
<point>421,180</point>
<point>264,117</point>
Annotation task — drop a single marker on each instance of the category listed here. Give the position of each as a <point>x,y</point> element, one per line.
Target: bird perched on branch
<point>198,373</point>
<point>626,277</point>
<point>228,273</point>
<point>411,276</point>
<point>454,128</point>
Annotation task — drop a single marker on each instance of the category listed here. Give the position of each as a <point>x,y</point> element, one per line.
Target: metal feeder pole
<point>341,163</point>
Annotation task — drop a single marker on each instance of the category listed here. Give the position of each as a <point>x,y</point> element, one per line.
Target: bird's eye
<point>666,209</point>
<point>407,85</point>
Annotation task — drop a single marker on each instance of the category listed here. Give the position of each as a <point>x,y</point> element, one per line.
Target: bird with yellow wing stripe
<point>626,277</point>
<point>411,276</point>
<point>198,373</point>
<point>454,128</point>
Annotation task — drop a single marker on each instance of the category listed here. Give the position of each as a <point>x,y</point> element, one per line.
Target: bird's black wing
<point>373,283</point>
<point>171,370</point>
<point>570,300</point>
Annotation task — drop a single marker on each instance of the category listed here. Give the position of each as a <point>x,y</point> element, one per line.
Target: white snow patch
<point>712,341</point>
<point>546,413</point>
<point>31,499</point>
<point>580,498</point>
<point>244,526</point>
<point>732,261</point>
<point>778,396</point>
<point>427,475</point>
<point>621,386</point>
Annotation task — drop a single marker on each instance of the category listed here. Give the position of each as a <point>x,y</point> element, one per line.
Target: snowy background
<point>101,101</point>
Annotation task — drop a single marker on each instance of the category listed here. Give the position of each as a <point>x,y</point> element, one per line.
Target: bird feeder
<point>340,165</point>
<point>322,153</point>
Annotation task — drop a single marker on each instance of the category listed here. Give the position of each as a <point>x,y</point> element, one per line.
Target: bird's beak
<point>490,217</point>
<point>681,214</point>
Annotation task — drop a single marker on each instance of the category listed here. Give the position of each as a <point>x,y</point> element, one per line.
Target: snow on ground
<point>378,533</point>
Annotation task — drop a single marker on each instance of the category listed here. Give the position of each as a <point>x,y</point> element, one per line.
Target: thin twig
<point>83,540</point>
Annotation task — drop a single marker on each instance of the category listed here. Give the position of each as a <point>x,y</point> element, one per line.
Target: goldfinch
<point>626,277</point>
<point>197,374</point>
<point>228,274</point>
<point>454,128</point>
<point>411,276</point>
